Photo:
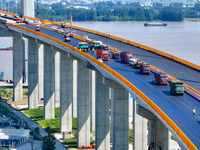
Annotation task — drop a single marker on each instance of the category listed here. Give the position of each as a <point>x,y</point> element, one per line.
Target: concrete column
<point>158,134</point>
<point>49,82</point>
<point>92,102</point>
<point>102,133</point>
<point>27,8</point>
<point>74,109</point>
<point>33,74</point>
<point>25,60</point>
<point>17,66</point>
<point>57,80</point>
<point>139,129</point>
<point>41,71</point>
<point>66,92</point>
<point>83,101</point>
<point>120,117</point>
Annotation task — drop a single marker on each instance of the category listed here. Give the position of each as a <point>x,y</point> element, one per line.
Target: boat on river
<point>155,24</point>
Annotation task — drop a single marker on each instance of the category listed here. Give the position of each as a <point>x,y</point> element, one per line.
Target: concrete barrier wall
<point>181,135</point>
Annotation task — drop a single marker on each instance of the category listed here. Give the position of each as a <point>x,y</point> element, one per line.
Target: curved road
<point>178,108</point>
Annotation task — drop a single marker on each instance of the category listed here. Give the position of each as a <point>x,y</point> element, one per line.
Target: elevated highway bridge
<point>164,111</point>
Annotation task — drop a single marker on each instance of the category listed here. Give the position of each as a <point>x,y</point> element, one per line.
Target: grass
<point>6,94</point>
<point>130,133</point>
<point>192,19</point>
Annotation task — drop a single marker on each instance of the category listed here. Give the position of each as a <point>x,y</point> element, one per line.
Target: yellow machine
<point>65,23</point>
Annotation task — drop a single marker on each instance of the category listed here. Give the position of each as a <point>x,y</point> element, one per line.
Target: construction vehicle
<point>19,20</point>
<point>176,87</point>
<point>144,68</point>
<point>26,21</point>
<point>67,38</point>
<point>83,46</point>
<point>96,45</point>
<point>102,54</point>
<point>66,24</point>
<point>132,61</point>
<point>37,28</point>
<point>137,63</point>
<point>125,57</point>
<point>160,78</point>
<point>115,55</point>
<point>69,33</point>
<point>106,48</point>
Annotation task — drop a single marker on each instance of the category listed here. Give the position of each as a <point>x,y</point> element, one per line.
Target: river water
<point>181,39</point>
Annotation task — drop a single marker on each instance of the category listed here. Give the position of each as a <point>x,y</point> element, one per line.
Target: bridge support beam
<point>92,108</point>
<point>40,71</point>
<point>120,117</point>
<point>158,134</point>
<point>49,82</point>
<point>102,133</point>
<point>74,111</point>
<point>57,79</point>
<point>32,74</point>
<point>17,66</point>
<point>66,93</point>
<point>27,8</point>
<point>25,60</point>
<point>139,129</point>
<point>83,101</point>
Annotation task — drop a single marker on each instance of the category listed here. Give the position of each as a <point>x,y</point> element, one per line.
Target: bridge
<point>83,87</point>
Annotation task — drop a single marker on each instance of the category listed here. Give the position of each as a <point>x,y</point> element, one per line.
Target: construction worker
<point>194,111</point>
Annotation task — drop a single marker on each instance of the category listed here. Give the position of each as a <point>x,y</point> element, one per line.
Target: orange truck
<point>102,54</point>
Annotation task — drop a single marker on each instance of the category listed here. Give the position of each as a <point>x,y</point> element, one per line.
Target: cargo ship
<point>6,48</point>
<point>155,24</point>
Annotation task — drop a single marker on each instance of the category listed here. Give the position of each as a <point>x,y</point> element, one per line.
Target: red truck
<point>125,57</point>
<point>144,68</point>
<point>160,78</point>
<point>102,54</point>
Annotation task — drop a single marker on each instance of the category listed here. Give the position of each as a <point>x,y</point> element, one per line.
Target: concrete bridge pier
<point>120,117</point>
<point>25,60</point>
<point>158,134</point>
<point>139,129</point>
<point>40,71</point>
<point>66,94</point>
<point>57,79</point>
<point>17,65</point>
<point>33,48</point>
<point>49,82</point>
<point>83,105</point>
<point>74,103</point>
<point>102,133</point>
<point>92,101</point>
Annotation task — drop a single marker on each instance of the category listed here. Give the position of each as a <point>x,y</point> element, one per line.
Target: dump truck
<point>160,78</point>
<point>176,87</point>
<point>115,55</point>
<point>37,28</point>
<point>125,57</point>
<point>67,38</point>
<point>106,48</point>
<point>96,45</point>
<point>102,54</point>
<point>19,20</point>
<point>144,68</point>
<point>83,46</point>
<point>137,63</point>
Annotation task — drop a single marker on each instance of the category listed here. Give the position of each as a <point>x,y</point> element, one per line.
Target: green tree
<point>49,142</point>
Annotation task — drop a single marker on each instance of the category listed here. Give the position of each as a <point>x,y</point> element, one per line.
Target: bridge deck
<point>178,108</point>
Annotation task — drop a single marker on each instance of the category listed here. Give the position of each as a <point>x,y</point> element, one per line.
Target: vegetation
<point>49,142</point>
<point>5,94</point>
<point>108,11</point>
